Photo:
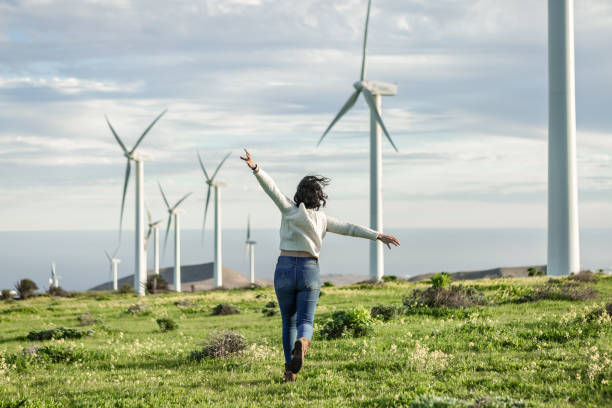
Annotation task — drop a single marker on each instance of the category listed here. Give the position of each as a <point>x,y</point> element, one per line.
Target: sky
<point>470,116</point>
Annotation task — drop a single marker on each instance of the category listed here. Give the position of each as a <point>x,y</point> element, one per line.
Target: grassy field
<point>551,353</point>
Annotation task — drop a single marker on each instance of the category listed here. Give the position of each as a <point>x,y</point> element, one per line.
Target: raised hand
<point>248,160</point>
<point>388,240</point>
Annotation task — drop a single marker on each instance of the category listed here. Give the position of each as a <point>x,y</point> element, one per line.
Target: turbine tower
<point>114,262</point>
<point>173,212</point>
<point>153,229</point>
<point>563,240</point>
<point>250,248</point>
<point>54,279</point>
<point>372,92</point>
<point>140,271</point>
<point>212,183</point>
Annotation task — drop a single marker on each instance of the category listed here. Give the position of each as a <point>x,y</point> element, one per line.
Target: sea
<point>81,263</point>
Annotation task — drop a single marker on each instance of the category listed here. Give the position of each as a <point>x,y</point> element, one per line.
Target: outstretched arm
<point>266,182</point>
<point>354,230</point>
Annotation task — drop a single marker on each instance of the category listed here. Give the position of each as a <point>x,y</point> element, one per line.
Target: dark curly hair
<point>310,192</point>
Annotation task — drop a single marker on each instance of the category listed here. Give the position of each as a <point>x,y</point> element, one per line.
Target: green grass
<point>546,353</point>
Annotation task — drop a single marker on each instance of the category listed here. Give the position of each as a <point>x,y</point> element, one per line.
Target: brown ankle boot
<point>298,354</point>
<point>289,376</point>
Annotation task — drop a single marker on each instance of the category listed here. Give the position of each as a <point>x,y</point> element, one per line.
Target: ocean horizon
<point>81,263</point>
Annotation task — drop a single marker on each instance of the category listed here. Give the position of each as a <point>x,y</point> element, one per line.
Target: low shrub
<point>137,308</point>
<point>535,272</point>
<point>166,324</point>
<point>440,280</point>
<point>384,312</point>
<point>355,322</point>
<point>508,293</point>
<point>270,309</point>
<point>223,309</point>
<point>269,312</point>
<point>58,333</point>
<point>87,319</point>
<point>25,288</point>
<point>560,290</point>
<point>453,297</point>
<point>431,401</point>
<point>609,308</point>
<point>126,289</point>
<point>389,278</point>
<point>328,284</point>
<point>53,353</point>
<point>58,291</point>
<point>6,295</point>
<point>221,344</point>
<point>156,284</point>
<point>56,353</point>
<point>584,276</point>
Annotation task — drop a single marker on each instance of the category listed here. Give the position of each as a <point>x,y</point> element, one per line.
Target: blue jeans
<point>297,284</point>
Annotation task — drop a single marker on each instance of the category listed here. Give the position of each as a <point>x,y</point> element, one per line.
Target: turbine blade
<point>148,235</point>
<point>181,200</point>
<point>202,166</point>
<point>249,228</point>
<point>147,130</point>
<point>220,164</point>
<point>365,41</point>
<point>148,213</point>
<point>167,232</point>
<point>246,250</point>
<point>348,105</point>
<point>116,135</point>
<point>205,211</point>
<point>370,100</point>
<point>108,255</point>
<point>125,186</point>
<point>163,195</point>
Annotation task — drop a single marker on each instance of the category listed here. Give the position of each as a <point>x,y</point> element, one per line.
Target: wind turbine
<point>54,279</point>
<point>372,92</point>
<point>153,229</point>
<point>114,262</point>
<point>250,248</point>
<point>563,240</point>
<point>140,272</point>
<point>173,212</point>
<point>212,183</point>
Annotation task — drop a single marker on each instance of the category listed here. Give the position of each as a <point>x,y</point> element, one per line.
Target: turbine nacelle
<point>216,183</point>
<point>377,87</point>
<point>137,156</point>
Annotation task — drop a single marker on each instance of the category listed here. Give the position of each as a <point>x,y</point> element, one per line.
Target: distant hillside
<point>193,278</point>
<point>502,272</point>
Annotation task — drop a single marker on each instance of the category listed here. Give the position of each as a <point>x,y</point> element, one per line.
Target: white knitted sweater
<point>303,229</point>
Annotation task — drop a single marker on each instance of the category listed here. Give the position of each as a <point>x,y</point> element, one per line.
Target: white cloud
<point>68,86</point>
<point>469,117</point>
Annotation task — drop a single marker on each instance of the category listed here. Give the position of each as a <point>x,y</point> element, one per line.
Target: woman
<point>296,279</point>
